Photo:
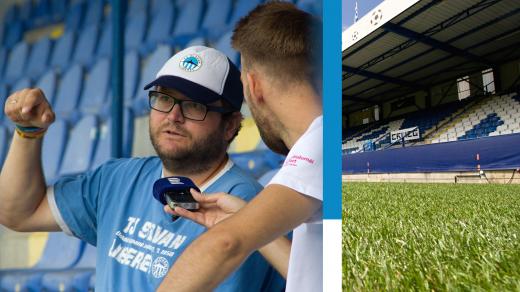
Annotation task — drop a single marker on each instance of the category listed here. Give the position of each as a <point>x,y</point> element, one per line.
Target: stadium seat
<point>39,58</point>
<point>311,6</point>
<point>58,10</point>
<point>257,162</point>
<point>188,22</point>
<point>266,177</point>
<point>94,13</point>
<point>4,144</point>
<point>3,60</point>
<point>81,147</point>
<point>62,51</point>
<point>215,21</point>
<point>96,86</point>
<point>135,31</point>
<point>40,13</point>
<point>21,84</point>
<point>160,27</point>
<point>154,63</point>
<point>75,279</point>
<point>13,34</point>
<point>86,46</point>
<point>68,94</point>
<point>16,63</point>
<point>61,252</point>
<point>224,45</point>
<point>104,48</point>
<point>137,7</point>
<point>47,83</point>
<point>132,69</point>
<point>199,41</point>
<point>53,147</point>
<point>242,7</point>
<point>3,96</point>
<point>74,17</point>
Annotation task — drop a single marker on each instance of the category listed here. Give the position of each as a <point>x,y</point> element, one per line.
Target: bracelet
<point>30,132</point>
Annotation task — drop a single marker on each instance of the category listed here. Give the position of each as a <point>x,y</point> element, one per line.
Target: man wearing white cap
<point>280,48</point>
<point>195,114</point>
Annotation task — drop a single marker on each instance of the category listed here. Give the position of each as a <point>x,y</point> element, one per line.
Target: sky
<point>364,6</point>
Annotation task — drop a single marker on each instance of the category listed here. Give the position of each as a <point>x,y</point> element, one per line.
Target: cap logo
<point>190,63</point>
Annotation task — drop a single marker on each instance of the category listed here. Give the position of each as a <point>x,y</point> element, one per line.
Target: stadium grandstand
<point>64,47</point>
<point>431,92</point>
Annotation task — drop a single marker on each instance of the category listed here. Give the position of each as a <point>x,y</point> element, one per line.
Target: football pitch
<point>431,237</point>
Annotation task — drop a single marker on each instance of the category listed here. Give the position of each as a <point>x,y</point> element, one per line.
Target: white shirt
<point>303,172</point>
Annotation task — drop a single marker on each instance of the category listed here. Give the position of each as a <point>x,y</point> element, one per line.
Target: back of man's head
<point>282,39</point>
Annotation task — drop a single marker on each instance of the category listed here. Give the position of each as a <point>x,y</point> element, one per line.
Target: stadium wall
<point>488,153</point>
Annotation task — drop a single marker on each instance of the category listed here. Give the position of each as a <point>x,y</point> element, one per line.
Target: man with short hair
<point>282,80</point>
<point>195,114</point>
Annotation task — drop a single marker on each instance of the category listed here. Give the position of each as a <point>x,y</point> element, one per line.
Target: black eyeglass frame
<point>222,110</point>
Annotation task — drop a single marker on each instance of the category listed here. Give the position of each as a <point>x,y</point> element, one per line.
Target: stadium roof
<point>403,46</point>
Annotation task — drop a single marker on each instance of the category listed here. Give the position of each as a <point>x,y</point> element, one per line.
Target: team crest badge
<point>190,63</point>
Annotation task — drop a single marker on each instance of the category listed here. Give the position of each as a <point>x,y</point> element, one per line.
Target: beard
<point>268,131</point>
<point>196,157</point>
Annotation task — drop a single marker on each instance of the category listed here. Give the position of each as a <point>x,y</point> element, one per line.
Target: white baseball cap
<point>202,74</point>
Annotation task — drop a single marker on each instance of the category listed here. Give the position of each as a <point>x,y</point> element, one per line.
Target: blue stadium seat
<point>58,10</point>
<point>39,58</point>
<point>61,252</point>
<point>154,63</point>
<point>47,84</point>
<point>224,45</point>
<point>52,150</point>
<point>160,27</point>
<point>216,19</point>
<point>41,13</point>
<point>242,8</point>
<point>3,96</point>
<point>96,88</point>
<point>3,61</point>
<point>94,13</point>
<point>75,279</point>
<point>132,69</point>
<point>86,46</point>
<point>68,94</point>
<point>16,63</point>
<point>81,147</point>
<point>105,41</point>
<point>198,41</point>
<point>12,13</point>
<point>21,84</point>
<point>266,177</point>
<point>135,30</point>
<point>74,17</point>
<point>189,18</point>
<point>62,51</point>
<point>13,34</point>
<point>92,283</point>
<point>137,7</point>
<point>257,162</point>
<point>311,6</point>
<point>4,144</point>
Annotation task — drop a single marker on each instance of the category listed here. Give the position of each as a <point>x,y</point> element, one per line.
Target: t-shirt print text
<point>295,159</point>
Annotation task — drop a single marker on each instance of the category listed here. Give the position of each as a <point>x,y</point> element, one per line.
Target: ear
<point>255,86</point>
<point>233,125</point>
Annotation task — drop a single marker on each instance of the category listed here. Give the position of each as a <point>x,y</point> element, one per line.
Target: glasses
<point>190,109</point>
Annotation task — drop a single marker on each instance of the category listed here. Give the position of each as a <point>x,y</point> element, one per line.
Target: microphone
<point>174,191</point>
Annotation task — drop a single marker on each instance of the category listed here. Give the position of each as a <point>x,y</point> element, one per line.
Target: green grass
<point>431,237</point>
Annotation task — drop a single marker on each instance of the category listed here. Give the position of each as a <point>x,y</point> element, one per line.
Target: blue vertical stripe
<point>332,109</point>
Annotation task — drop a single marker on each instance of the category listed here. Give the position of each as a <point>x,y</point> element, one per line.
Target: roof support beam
<point>358,99</point>
<point>381,77</point>
<point>410,34</point>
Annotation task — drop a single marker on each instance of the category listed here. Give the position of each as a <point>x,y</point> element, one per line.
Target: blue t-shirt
<point>113,208</point>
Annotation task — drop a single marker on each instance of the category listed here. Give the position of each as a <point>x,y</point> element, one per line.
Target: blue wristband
<point>29,129</point>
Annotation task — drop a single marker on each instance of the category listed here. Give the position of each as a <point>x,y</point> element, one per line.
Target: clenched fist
<point>29,108</point>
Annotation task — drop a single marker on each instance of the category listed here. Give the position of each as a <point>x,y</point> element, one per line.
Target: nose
<point>175,115</point>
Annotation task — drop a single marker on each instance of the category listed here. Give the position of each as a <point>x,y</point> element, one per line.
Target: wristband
<point>30,132</point>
